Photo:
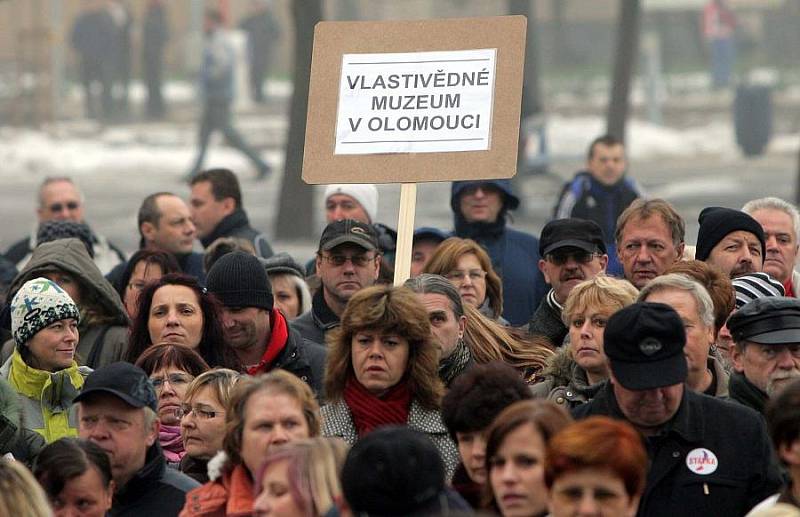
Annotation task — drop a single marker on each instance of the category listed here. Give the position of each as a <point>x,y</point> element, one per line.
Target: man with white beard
<point>767,352</point>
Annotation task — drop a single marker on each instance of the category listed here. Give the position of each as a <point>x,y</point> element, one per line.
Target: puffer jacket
<point>338,421</point>
<point>103,336</point>
<point>565,383</point>
<point>22,443</point>
<point>46,397</point>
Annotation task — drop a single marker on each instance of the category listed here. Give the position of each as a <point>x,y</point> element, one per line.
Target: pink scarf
<point>171,443</point>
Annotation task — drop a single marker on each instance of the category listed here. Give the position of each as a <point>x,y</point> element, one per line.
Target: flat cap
<point>774,320</point>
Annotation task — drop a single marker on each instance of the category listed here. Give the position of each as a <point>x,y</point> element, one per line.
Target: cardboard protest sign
<point>413,101</point>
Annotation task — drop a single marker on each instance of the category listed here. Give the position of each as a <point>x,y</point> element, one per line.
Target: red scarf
<point>370,412</point>
<point>277,342</point>
<point>788,288</point>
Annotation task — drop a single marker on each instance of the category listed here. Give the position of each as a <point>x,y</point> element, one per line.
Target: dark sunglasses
<point>561,258</point>
<point>58,207</point>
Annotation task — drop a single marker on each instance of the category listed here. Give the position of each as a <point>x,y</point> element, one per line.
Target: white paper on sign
<point>418,102</point>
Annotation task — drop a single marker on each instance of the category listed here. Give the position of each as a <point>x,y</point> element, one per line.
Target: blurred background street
<point>680,128</point>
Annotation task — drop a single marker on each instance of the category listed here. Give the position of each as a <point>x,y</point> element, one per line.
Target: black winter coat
<point>237,225</point>
<point>154,491</point>
<point>744,473</point>
<point>317,321</point>
<point>546,322</point>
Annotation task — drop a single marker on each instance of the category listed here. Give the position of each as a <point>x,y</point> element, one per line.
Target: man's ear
<point>737,356</point>
<point>151,434</point>
<point>228,205</point>
<point>790,452</point>
<point>604,261</point>
<point>543,269</point>
<point>148,230</point>
<point>680,249</point>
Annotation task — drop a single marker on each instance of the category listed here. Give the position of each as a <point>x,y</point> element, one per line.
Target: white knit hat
<point>39,303</point>
<point>366,194</point>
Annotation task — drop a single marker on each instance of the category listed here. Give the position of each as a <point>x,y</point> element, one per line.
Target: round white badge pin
<point>702,461</point>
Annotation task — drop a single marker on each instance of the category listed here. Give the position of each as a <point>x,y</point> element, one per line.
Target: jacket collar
<point>229,223</point>
<point>324,317</point>
<point>425,420</point>
<point>145,478</point>
<point>689,429</point>
<point>744,391</point>
<point>56,389</point>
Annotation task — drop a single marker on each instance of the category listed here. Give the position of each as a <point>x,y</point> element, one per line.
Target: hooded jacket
<point>514,254</point>
<point>103,336</point>
<point>46,397</point>
<point>22,443</point>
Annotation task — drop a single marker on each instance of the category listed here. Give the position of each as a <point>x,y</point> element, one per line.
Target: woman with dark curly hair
<point>175,309</point>
<point>468,409</point>
<point>382,370</point>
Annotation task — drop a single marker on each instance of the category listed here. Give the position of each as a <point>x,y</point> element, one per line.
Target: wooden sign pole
<point>405,232</point>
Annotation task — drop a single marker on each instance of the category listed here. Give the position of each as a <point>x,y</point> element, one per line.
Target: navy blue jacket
<point>514,254</point>
<point>585,198</point>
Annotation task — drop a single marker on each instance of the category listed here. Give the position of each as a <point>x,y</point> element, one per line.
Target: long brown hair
<point>489,341</point>
<point>445,259</point>
<point>396,310</point>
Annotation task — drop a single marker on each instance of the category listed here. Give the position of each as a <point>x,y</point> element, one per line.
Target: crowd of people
<point>512,374</point>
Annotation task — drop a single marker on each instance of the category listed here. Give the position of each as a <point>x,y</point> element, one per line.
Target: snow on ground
<point>169,149</point>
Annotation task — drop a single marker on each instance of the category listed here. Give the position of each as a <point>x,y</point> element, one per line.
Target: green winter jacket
<point>46,397</point>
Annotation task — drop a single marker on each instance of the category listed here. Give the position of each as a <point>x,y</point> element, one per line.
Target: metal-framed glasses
<point>458,275</point>
<point>176,380</point>
<point>199,412</point>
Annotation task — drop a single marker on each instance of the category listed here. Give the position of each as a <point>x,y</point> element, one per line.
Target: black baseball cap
<point>644,344</point>
<point>124,380</point>
<point>773,320</point>
<point>571,233</point>
<point>348,231</point>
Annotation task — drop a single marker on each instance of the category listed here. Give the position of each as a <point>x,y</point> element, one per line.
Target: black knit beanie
<point>717,222</point>
<point>238,279</point>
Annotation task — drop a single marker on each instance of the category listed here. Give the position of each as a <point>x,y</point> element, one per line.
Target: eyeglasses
<point>58,207</point>
<point>356,260</point>
<point>176,380</point>
<point>561,258</point>
<point>204,414</point>
<point>458,275</point>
